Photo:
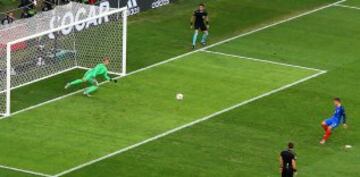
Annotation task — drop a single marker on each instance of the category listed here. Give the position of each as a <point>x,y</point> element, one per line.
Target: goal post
<point>73,36</point>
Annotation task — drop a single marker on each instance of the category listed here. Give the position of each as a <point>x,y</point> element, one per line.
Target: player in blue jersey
<point>338,117</point>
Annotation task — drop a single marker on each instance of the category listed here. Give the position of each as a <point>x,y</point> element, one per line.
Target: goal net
<point>73,36</point>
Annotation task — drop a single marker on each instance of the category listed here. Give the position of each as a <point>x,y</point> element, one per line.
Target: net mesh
<point>60,46</point>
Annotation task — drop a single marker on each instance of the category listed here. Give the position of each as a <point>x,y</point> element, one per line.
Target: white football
<point>179,96</point>
<point>348,146</point>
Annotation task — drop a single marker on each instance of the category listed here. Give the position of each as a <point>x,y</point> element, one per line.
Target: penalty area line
<point>347,6</point>
<point>185,54</point>
<point>261,60</point>
<point>25,171</point>
<point>167,61</point>
<point>189,124</point>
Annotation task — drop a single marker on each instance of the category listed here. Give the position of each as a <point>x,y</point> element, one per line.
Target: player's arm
<point>207,21</point>
<point>281,164</point>
<point>192,20</point>
<point>108,78</point>
<point>293,161</point>
<point>344,119</point>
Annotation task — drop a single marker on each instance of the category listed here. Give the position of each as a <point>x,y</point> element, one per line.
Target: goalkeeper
<point>90,77</point>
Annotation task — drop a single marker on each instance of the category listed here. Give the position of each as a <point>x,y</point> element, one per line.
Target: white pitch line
<point>276,23</point>
<point>346,6</point>
<point>172,59</point>
<point>260,60</point>
<point>25,171</point>
<point>189,124</point>
<point>217,113</point>
<point>185,54</point>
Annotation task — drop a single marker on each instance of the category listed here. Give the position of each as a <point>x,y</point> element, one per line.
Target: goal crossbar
<point>124,9</point>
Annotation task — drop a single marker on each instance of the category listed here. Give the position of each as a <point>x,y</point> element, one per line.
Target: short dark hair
<point>202,4</point>
<point>337,99</point>
<point>291,145</point>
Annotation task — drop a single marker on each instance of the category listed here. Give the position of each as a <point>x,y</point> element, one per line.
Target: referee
<point>288,161</point>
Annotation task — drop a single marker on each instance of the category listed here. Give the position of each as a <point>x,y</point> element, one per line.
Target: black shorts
<point>287,173</point>
<point>201,27</point>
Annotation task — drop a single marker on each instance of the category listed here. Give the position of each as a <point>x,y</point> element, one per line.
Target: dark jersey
<point>287,157</point>
<point>200,17</point>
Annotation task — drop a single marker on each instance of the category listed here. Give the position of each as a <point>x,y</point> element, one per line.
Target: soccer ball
<point>179,96</point>
<point>348,146</point>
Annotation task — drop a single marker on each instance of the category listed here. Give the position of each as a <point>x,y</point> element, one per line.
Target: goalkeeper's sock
<point>204,38</point>
<point>90,90</point>
<point>195,38</point>
<point>76,82</point>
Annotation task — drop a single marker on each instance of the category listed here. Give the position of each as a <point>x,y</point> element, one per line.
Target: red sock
<point>327,134</point>
<point>324,126</point>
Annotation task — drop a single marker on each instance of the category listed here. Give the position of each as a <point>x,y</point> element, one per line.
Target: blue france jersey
<point>339,114</point>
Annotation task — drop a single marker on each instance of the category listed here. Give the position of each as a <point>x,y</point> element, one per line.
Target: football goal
<point>73,36</point>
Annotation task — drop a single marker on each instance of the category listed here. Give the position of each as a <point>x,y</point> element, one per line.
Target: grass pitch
<point>242,142</point>
<point>81,129</point>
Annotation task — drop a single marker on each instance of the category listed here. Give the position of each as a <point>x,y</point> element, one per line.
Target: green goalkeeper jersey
<point>99,70</point>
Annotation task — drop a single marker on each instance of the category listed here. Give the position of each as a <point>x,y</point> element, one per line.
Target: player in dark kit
<point>200,22</point>
<point>288,161</point>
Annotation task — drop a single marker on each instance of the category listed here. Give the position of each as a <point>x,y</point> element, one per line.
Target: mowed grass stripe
<point>314,41</point>
<point>244,140</point>
<point>77,129</point>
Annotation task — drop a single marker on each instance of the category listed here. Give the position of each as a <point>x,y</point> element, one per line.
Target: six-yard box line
<point>320,72</point>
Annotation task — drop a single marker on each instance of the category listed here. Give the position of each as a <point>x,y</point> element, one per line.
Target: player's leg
<point>326,135</point>
<point>74,82</point>
<point>89,90</point>
<point>331,124</point>
<point>93,86</point>
<point>324,125</point>
<point>195,36</point>
<point>87,76</point>
<point>205,35</point>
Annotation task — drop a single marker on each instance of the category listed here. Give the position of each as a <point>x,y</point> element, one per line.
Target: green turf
<point>246,141</point>
<point>355,3</point>
<point>243,142</point>
<point>167,30</point>
<point>140,106</point>
<point>10,173</point>
<point>165,36</point>
<point>7,4</point>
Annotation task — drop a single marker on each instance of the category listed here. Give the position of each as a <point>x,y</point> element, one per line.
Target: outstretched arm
<point>106,76</point>
<point>344,120</point>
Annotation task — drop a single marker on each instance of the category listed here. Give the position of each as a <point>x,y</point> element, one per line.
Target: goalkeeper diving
<point>90,77</point>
